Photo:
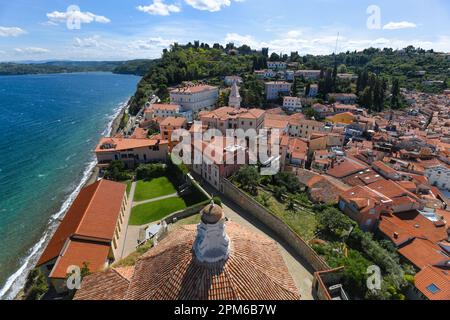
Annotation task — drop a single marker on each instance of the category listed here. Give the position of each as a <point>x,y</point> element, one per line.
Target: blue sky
<point>118,29</point>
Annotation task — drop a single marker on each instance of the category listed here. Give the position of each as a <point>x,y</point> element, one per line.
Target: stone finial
<point>212,243</point>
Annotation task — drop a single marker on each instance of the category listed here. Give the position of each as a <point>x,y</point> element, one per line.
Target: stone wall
<point>281,229</point>
<point>185,213</point>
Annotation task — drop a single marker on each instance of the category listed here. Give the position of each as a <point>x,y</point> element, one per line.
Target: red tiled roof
<point>109,285</point>
<point>255,270</point>
<point>166,107</point>
<point>173,121</point>
<point>422,253</point>
<point>78,252</point>
<point>391,189</point>
<point>194,89</point>
<point>410,225</point>
<point>434,283</point>
<point>119,144</point>
<point>93,214</point>
<point>345,168</point>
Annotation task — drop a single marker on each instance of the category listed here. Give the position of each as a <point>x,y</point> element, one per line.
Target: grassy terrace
<point>157,210</point>
<point>302,221</point>
<point>157,187</point>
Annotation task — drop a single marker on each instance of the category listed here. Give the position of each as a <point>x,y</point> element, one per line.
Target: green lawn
<point>195,219</point>
<point>158,187</point>
<point>157,210</point>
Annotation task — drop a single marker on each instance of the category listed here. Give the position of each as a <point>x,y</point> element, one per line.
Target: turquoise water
<point>49,126</point>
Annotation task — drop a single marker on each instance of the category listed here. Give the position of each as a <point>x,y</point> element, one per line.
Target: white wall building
<point>293,104</point>
<point>308,74</point>
<point>276,65</point>
<point>229,80</point>
<point>439,176</point>
<point>195,97</point>
<point>274,88</point>
<point>264,74</point>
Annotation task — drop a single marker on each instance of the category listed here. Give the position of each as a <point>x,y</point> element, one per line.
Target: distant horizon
<point>127,30</point>
<point>257,49</point>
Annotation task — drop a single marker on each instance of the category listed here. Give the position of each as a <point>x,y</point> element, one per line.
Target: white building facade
<point>292,104</point>
<point>276,65</point>
<point>275,88</point>
<point>195,98</point>
<point>439,176</point>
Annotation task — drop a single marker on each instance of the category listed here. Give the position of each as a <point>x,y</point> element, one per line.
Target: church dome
<point>215,260</point>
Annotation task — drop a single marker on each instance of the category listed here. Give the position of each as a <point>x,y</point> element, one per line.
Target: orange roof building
<point>89,232</point>
<point>131,151</point>
<point>195,97</point>
<point>225,118</point>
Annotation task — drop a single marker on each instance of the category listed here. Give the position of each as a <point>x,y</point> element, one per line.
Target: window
<point>433,288</point>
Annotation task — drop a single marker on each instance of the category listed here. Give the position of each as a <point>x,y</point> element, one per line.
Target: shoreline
<point>113,129</point>
<point>89,176</point>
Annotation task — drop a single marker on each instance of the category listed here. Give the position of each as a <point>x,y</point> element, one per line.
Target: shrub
<point>117,171</point>
<point>36,285</point>
<point>150,171</point>
<point>248,177</point>
<point>278,192</point>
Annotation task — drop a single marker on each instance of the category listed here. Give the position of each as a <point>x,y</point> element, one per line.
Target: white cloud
<point>210,5</point>
<point>325,43</point>
<point>89,42</point>
<point>158,7</point>
<point>150,44</point>
<point>399,25</point>
<point>11,31</point>
<point>31,50</point>
<point>76,15</point>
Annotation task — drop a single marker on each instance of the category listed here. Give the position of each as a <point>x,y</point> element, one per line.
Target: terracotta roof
<point>194,89</point>
<point>109,285</point>
<point>298,148</point>
<point>100,218</point>
<point>358,179</point>
<point>166,107</point>
<point>423,252</point>
<point>119,144</point>
<point>174,122</point>
<point>75,253</point>
<point>391,189</point>
<point>410,225</point>
<point>434,283</point>
<point>272,121</point>
<point>383,167</point>
<point>227,113</point>
<point>345,168</point>
<point>139,133</point>
<point>255,270</point>
<point>93,214</point>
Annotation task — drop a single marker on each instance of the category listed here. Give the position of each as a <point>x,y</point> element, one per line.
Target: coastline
<point>113,129</point>
<point>90,176</point>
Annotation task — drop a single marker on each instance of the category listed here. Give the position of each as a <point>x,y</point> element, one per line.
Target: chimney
<point>396,235</point>
<point>211,244</point>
